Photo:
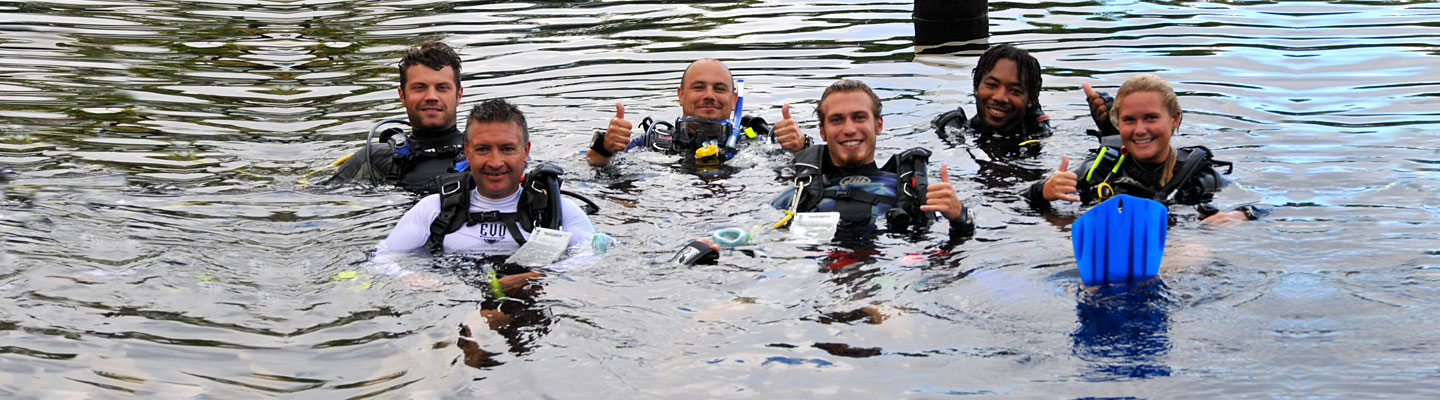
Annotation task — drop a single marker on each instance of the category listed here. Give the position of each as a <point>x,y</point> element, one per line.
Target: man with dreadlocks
<point>1007,101</point>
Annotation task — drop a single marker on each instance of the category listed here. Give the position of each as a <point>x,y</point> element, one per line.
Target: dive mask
<point>704,137</point>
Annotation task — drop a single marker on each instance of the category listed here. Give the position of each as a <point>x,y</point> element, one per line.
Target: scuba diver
<point>842,176</point>
<point>430,91</point>
<point>1007,117</point>
<point>705,132</point>
<point>1138,159</point>
<point>492,210</point>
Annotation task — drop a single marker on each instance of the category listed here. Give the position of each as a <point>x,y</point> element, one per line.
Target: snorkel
<point>739,107</point>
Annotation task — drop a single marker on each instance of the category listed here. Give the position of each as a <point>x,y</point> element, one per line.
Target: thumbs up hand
<point>1099,109</point>
<point>1061,184</point>
<point>617,135</point>
<point>787,133</point>
<point>940,196</point>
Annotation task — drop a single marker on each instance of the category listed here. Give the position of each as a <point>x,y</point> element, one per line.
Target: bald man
<point>707,96</point>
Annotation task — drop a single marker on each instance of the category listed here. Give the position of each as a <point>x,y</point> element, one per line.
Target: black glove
<point>1106,128</point>
<point>696,252</point>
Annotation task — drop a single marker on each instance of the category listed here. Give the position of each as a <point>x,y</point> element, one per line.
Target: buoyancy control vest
<point>415,161</point>
<point>539,205</point>
<point>410,162</point>
<point>1195,181</point>
<point>910,187</point>
<point>667,138</point>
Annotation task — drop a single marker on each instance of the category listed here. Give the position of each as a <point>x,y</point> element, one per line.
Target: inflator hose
<point>553,219</point>
<point>371,138</point>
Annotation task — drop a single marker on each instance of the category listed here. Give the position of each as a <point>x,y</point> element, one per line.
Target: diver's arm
<point>615,139</point>
<point>414,228</point>
<point>1061,185</point>
<point>596,160</point>
<point>698,251</point>
<point>1248,212</point>
<point>963,226</point>
<point>941,197</point>
<point>787,132</point>
<point>357,166</point>
<point>409,235</point>
<point>1035,195</point>
<point>1100,104</point>
<point>518,285</point>
<point>1224,218</point>
<point>577,223</point>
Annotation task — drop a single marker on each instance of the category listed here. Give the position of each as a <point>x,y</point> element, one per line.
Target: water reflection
<point>1124,333</point>
<point>521,318</point>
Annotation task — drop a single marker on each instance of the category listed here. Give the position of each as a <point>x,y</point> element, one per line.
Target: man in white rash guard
<point>497,145</point>
<point>500,217</point>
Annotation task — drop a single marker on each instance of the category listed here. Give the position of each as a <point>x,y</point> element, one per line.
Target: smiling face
<point>849,126</point>
<point>707,90</point>
<point>430,97</point>
<point>1000,98</point>
<point>496,153</point>
<point>1146,125</point>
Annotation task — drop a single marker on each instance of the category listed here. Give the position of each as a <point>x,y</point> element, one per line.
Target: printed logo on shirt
<point>491,232</point>
<point>855,180</point>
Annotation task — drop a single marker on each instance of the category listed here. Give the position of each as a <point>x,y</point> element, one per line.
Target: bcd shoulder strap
<point>911,184</point>
<point>538,206</point>
<point>1189,183</point>
<point>540,198</point>
<point>454,207</point>
<point>808,179</point>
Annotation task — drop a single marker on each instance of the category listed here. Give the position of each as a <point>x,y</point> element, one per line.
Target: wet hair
<point>1150,83</point>
<point>1029,70</point>
<point>497,110</point>
<point>847,85</point>
<point>432,54</point>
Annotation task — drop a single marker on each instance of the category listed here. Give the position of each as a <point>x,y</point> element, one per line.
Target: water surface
<point>161,237</point>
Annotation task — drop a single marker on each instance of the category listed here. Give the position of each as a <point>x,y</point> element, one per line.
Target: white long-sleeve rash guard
<point>488,238</point>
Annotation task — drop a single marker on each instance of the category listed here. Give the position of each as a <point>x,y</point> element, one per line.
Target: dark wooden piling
<point>943,21</point>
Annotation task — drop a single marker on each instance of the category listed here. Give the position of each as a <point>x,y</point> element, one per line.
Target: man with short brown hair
<point>430,90</point>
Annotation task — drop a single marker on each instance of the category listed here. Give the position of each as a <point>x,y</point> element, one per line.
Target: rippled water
<point>160,238</point>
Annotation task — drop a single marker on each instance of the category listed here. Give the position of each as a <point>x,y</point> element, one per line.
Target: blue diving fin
<point>1120,240</point>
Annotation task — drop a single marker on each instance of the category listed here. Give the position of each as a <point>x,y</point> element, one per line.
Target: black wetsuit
<point>999,146</point>
<point>661,137</point>
<point>1190,185</point>
<point>1135,178</point>
<point>953,126</point>
<point>865,196</point>
<point>432,153</point>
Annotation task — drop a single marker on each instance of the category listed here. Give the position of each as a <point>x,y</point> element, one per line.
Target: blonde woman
<point>1141,161</point>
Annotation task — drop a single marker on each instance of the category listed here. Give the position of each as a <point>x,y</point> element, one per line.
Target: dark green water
<point>158,236</point>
